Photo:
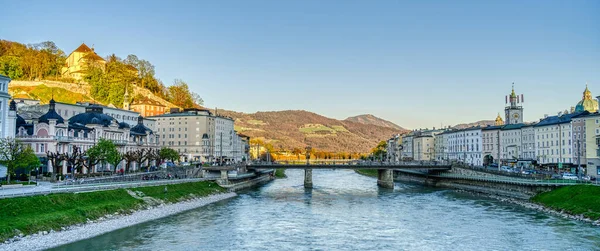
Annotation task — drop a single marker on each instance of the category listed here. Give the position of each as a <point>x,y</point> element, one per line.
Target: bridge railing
<point>519,180</point>
<point>359,163</point>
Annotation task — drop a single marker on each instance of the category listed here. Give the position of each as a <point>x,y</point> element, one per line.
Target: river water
<point>347,211</point>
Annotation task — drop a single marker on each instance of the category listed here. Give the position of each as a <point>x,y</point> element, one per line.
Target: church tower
<point>499,121</point>
<point>513,111</point>
<point>126,100</point>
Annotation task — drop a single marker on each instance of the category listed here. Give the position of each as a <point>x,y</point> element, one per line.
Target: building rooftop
<point>51,114</point>
<point>146,101</point>
<point>566,118</point>
<point>513,126</point>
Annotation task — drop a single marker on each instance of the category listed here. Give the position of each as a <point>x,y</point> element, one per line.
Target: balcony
<point>63,138</point>
<point>119,142</point>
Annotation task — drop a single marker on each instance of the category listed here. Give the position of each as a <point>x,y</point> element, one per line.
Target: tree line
<point>33,61</point>
<point>44,61</point>
<point>298,153</point>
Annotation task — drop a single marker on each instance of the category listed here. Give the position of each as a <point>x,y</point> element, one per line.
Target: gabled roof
<point>83,48</point>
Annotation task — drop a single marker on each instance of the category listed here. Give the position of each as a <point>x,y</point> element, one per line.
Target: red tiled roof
<point>83,48</point>
<point>89,52</point>
<point>145,101</point>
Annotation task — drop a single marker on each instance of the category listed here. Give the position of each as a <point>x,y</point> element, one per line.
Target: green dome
<point>589,105</point>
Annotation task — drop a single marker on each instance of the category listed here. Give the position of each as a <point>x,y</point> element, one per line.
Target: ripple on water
<point>346,211</point>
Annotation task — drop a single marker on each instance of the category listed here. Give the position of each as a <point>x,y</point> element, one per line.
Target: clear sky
<point>415,63</point>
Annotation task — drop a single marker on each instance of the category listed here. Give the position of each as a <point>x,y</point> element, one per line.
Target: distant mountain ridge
<point>298,129</point>
<point>369,119</point>
<point>482,123</point>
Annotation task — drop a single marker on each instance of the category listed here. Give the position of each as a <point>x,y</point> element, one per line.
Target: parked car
<point>185,163</point>
<point>506,169</point>
<point>569,176</point>
<point>167,164</point>
<point>527,172</point>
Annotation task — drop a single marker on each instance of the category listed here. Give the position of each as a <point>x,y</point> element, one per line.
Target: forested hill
<point>297,129</point>
<point>107,84</point>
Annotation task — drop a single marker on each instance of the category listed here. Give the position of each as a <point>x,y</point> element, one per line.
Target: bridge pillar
<point>385,178</point>
<point>224,177</point>
<point>308,178</point>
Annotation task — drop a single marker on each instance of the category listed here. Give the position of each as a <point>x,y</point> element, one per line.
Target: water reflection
<point>346,211</point>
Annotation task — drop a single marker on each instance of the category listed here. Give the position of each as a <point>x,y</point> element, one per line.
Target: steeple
<point>587,94</point>
<point>126,100</point>
<point>512,94</point>
<point>499,120</point>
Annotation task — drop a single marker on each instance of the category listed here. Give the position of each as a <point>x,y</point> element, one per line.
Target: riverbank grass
<point>367,172</point>
<point>183,191</point>
<point>280,173</point>
<point>577,200</point>
<point>29,215</point>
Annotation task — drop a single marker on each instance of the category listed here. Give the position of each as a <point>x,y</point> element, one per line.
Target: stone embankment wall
<point>474,171</point>
<point>73,87</point>
<point>494,188</point>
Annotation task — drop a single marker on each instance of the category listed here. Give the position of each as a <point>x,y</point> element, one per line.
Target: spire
<point>499,120</point>
<point>126,100</point>
<point>512,94</point>
<point>587,94</point>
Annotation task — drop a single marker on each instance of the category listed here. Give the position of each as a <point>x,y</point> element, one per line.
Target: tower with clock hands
<point>513,110</point>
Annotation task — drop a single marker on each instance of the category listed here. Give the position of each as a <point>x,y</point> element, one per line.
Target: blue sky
<point>415,63</point>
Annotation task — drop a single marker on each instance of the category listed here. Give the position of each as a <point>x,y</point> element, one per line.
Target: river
<point>347,211</point>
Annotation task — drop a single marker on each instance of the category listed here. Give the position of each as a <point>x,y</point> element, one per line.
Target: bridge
<point>385,171</point>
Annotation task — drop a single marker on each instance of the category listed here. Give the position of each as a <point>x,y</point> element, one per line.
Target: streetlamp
<point>308,150</point>
<point>578,159</point>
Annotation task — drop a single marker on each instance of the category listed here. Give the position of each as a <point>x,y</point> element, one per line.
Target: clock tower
<point>513,110</point>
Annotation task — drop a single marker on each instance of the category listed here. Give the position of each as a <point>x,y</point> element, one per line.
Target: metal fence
<point>99,187</point>
<point>516,180</point>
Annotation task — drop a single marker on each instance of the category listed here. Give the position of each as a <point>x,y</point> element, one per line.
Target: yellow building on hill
<point>77,61</point>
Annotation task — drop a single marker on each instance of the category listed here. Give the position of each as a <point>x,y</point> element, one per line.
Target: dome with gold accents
<point>587,103</point>
<point>499,121</point>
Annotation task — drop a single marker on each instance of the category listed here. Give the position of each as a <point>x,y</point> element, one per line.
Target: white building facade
<point>553,140</point>
<point>407,147</point>
<point>7,119</point>
<point>491,144</point>
<point>466,146</point>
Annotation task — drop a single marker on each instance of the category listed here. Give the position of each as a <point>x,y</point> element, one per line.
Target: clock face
<point>516,115</point>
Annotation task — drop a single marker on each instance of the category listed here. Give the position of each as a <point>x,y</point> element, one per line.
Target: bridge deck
<point>339,166</point>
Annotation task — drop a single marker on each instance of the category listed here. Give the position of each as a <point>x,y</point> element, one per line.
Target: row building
<point>567,141</point>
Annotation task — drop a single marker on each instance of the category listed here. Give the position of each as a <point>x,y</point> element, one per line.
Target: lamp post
<point>578,159</point>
